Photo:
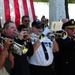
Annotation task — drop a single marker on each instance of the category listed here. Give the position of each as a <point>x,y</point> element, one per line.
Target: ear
<point>5,30</point>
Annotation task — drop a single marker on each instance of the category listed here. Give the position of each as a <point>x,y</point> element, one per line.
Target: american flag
<point>14,10</point>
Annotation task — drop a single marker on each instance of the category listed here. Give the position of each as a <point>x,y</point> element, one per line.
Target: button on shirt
<point>38,57</point>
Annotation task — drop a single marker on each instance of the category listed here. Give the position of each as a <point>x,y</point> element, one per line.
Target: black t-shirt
<point>21,66</point>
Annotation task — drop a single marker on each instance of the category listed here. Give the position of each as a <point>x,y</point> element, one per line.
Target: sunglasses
<point>27,20</point>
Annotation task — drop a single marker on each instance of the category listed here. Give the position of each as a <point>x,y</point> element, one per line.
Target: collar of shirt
<point>34,35</point>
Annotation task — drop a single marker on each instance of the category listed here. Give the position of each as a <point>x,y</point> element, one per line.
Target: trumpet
<point>55,35</point>
<point>60,34</point>
<point>16,47</point>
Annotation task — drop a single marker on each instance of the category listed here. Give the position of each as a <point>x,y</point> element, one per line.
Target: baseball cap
<point>37,23</point>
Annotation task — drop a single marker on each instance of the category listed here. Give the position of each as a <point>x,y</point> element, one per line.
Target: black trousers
<point>41,70</point>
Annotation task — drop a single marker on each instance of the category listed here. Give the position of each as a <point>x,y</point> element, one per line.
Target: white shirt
<point>38,57</point>
<point>3,71</point>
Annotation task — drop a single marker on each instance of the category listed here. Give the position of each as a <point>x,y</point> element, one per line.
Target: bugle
<point>16,47</point>
<point>60,34</point>
<point>55,35</point>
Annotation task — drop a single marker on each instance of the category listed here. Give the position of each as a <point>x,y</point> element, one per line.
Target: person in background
<point>42,58</point>
<point>26,22</point>
<point>65,57</point>
<point>43,18</point>
<point>64,20</point>
<point>46,23</point>
<point>21,66</point>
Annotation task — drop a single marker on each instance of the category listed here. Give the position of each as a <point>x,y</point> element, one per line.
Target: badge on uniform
<point>24,50</point>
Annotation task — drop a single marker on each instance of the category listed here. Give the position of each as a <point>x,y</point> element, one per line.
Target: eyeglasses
<point>27,20</point>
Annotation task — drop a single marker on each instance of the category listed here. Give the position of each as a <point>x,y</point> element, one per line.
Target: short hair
<point>6,24</point>
<point>25,16</point>
<point>20,27</point>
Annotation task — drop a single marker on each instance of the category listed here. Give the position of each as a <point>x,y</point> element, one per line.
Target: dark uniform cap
<point>37,23</point>
<point>69,24</point>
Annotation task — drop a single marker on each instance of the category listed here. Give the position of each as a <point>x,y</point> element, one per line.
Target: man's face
<point>26,22</point>
<point>11,30</point>
<point>70,32</point>
<point>36,30</point>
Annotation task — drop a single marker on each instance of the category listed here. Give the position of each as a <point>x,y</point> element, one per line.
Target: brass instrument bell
<point>17,48</point>
<point>60,34</point>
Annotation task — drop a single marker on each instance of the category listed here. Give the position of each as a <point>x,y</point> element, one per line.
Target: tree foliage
<point>71,1</point>
<point>41,0</point>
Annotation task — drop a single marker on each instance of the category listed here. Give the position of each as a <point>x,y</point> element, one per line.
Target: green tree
<point>40,0</point>
<point>71,1</point>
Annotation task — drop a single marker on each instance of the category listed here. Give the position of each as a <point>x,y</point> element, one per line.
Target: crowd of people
<point>35,50</point>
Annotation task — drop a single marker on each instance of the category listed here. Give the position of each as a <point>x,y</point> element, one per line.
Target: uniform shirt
<point>65,58</point>
<point>38,57</point>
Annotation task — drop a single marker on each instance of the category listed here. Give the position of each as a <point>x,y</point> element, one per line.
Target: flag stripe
<point>21,9</point>
<point>12,11</point>
<point>7,10</point>
<point>17,12</point>
<point>32,9</point>
<point>2,12</point>
<point>15,9</point>
<point>29,10</point>
<point>25,7</point>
